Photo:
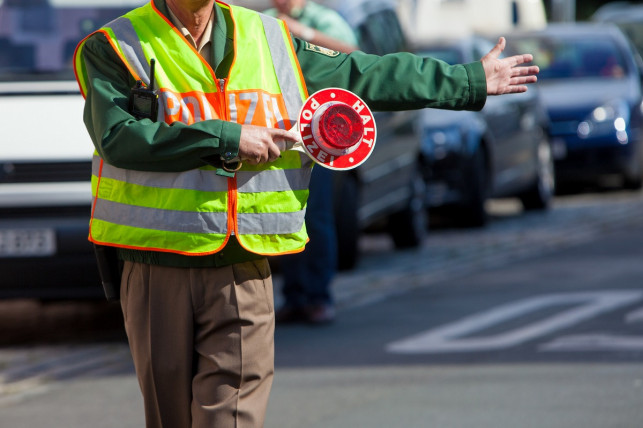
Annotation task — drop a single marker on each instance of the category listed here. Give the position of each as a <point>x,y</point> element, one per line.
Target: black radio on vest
<point>143,101</point>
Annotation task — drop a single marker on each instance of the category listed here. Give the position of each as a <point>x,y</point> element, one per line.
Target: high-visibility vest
<point>194,212</point>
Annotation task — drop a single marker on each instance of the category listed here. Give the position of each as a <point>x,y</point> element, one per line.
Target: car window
<point>627,16</point>
<point>38,37</point>
<point>380,33</point>
<point>634,31</point>
<point>567,58</point>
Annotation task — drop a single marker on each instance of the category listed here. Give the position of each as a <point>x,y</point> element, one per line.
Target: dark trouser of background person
<point>308,275</point>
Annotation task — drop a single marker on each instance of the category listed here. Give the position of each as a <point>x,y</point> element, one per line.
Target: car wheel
<point>472,212</point>
<point>633,178</point>
<point>633,182</point>
<point>346,222</point>
<point>408,227</point>
<point>539,196</point>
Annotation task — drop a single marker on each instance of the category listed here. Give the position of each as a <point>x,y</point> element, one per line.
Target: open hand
<point>503,75</point>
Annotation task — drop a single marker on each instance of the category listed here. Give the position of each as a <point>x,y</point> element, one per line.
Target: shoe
<point>312,314</point>
<point>320,314</point>
<point>290,314</point>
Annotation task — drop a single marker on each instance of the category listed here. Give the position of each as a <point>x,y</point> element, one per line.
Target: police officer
<point>192,227</point>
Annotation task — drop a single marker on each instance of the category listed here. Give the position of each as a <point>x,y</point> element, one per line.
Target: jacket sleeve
<point>399,81</point>
<point>125,142</point>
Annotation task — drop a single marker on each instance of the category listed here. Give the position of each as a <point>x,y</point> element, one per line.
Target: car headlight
<point>436,143</point>
<point>611,117</point>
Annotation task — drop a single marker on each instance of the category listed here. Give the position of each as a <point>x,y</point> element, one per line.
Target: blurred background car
<point>501,151</point>
<point>45,155</point>
<point>591,85</point>
<point>387,191</point>
<point>627,16</point>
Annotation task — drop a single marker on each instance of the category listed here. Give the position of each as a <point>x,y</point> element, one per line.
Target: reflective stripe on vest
<point>192,212</point>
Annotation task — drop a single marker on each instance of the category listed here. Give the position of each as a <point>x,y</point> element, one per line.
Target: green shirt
<point>323,19</point>
<point>399,81</point>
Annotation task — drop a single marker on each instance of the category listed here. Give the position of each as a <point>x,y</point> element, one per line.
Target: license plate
<point>27,242</point>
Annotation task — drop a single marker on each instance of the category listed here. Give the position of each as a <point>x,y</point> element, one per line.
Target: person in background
<point>195,192</point>
<point>307,276</point>
<point>316,24</point>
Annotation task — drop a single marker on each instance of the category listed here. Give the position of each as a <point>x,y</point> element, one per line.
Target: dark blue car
<point>590,82</point>
<point>499,152</point>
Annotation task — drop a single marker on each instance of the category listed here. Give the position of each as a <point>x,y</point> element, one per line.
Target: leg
<point>308,275</point>
<point>320,257</point>
<point>234,344</point>
<point>202,341</point>
<point>157,308</point>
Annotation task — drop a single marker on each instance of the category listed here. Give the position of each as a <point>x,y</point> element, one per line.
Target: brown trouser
<point>202,340</point>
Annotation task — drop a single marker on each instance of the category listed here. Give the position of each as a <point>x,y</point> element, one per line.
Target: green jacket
<point>399,81</point>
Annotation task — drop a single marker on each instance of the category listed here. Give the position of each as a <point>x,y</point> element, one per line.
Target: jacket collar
<point>222,37</point>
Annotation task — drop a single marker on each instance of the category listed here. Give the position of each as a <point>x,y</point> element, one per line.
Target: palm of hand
<point>506,75</point>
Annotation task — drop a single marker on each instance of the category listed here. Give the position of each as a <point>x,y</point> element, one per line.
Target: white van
<point>45,151</point>
<point>426,20</point>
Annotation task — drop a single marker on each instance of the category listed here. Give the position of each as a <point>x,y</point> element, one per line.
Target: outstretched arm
<point>504,76</point>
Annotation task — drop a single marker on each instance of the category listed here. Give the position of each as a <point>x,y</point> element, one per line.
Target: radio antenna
<point>152,65</point>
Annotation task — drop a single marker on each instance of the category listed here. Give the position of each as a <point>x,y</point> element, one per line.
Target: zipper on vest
<point>224,104</point>
<point>232,181</point>
<point>232,205</point>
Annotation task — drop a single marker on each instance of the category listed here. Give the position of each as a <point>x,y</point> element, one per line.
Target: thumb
<point>498,48</point>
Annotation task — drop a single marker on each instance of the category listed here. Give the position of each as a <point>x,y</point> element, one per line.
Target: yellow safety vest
<point>194,212</point>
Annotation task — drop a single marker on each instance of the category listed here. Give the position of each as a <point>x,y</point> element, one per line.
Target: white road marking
<point>594,342</point>
<point>634,316</point>
<point>451,337</point>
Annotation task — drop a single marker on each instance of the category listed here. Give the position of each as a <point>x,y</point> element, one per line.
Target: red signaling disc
<point>337,129</point>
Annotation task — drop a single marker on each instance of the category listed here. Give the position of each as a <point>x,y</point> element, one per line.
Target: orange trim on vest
<point>100,175</point>
<point>176,30</point>
<point>163,250</point>
<point>81,43</point>
<point>118,52</point>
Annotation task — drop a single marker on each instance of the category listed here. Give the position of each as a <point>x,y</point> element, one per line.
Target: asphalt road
<point>555,340</point>
<point>535,321</point>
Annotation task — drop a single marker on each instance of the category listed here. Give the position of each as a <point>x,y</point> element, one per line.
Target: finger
<point>525,71</point>
<point>515,89</point>
<point>282,134</point>
<point>282,144</point>
<point>273,153</point>
<point>251,161</point>
<point>259,157</point>
<point>519,59</point>
<point>287,145</point>
<point>498,48</point>
<point>523,80</point>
